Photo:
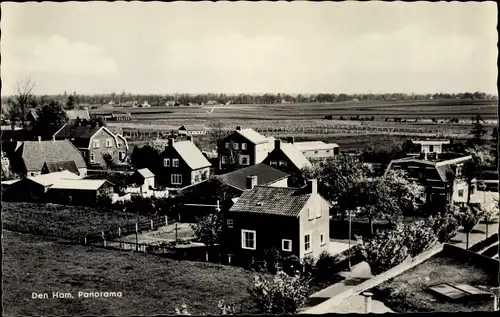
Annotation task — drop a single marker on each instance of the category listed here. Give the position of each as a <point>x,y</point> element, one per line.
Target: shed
<point>145,178</point>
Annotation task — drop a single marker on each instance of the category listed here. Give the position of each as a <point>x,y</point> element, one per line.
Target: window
<point>248,239</point>
<point>459,171</point>
<point>322,239</point>
<point>274,163</point>
<point>461,193</point>
<point>176,179</point>
<point>96,144</point>
<point>282,163</point>
<point>119,144</point>
<point>224,159</point>
<point>307,243</point>
<point>244,159</point>
<point>228,145</point>
<point>243,146</point>
<point>286,245</point>
<point>175,162</point>
<point>318,212</point>
<point>109,142</point>
<point>230,223</point>
<point>235,146</point>
<point>166,162</point>
<point>431,148</point>
<point>315,152</point>
<point>92,157</point>
<point>121,155</point>
<point>310,214</point>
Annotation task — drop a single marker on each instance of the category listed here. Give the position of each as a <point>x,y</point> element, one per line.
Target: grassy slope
<point>68,222</point>
<point>150,284</point>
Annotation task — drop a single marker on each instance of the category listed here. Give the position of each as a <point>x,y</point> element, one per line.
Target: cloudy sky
<point>250,47</point>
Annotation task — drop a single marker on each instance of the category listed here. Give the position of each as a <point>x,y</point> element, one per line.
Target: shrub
<point>292,265</point>
<point>308,266</point>
<point>273,260</point>
<point>326,264</point>
<point>444,226</point>
<point>281,294</point>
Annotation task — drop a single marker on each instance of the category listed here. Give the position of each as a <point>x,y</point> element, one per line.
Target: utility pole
<point>350,268</point>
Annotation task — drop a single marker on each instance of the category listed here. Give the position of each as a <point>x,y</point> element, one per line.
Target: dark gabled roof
<point>280,201</point>
<point>77,132</point>
<point>53,167</point>
<point>265,175</point>
<point>193,127</point>
<point>36,153</point>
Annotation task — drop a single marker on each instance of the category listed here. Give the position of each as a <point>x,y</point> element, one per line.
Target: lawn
<point>65,222</point>
<point>407,292</point>
<point>149,284</point>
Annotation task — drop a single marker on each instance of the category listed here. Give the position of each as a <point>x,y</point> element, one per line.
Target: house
<point>145,178</point>
<point>261,174</point>
<point>145,104</point>
<point>29,157</point>
<point>430,148</point>
<point>193,129</point>
<point>443,181</point>
<point>291,220</point>
<point>82,114</point>
<point>286,157</point>
<point>119,116</point>
<point>242,147</point>
<point>31,116</point>
<point>183,164</point>
<point>94,142</point>
<point>52,167</point>
<point>444,279</point>
<point>315,149</point>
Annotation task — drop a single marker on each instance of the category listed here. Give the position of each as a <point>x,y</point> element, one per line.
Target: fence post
<point>119,232</point>
<point>85,240</point>
<point>136,237</point>
<point>152,225</point>
<point>229,259</point>
<point>166,220</point>
<point>206,256</point>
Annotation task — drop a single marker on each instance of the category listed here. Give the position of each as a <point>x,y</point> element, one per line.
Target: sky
<point>227,47</point>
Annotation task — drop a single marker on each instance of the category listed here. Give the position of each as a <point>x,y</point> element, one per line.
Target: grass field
<point>150,285</point>
<point>64,222</point>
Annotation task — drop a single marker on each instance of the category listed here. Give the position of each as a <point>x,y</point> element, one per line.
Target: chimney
<point>171,141</point>
<point>277,144</point>
<point>238,128</point>
<point>291,139</point>
<point>39,139</point>
<point>368,302</point>
<point>251,182</point>
<point>53,138</point>
<point>189,138</point>
<point>312,186</point>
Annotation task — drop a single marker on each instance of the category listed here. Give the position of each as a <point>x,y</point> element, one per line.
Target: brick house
<point>94,142</point>
<point>291,220</point>
<point>443,181</point>
<point>242,147</point>
<point>29,157</point>
<point>183,164</point>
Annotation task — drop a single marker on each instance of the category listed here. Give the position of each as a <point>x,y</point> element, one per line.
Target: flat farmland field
<point>423,119</point>
<point>428,109</point>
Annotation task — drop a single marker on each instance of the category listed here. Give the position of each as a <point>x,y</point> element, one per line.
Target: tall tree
<point>338,178</point>
<point>21,101</point>
<point>478,130</point>
<point>70,104</point>
<point>51,117</point>
<point>494,146</point>
<point>474,167</point>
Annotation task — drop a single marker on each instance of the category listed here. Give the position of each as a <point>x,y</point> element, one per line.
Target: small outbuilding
<point>145,178</point>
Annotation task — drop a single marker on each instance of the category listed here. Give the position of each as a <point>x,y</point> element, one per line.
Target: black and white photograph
<point>249,158</point>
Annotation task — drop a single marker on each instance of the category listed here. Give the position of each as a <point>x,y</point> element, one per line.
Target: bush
<point>484,243</point>
<point>308,265</point>
<point>444,226</point>
<point>292,265</point>
<point>273,260</point>
<point>281,294</point>
<point>326,264</point>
